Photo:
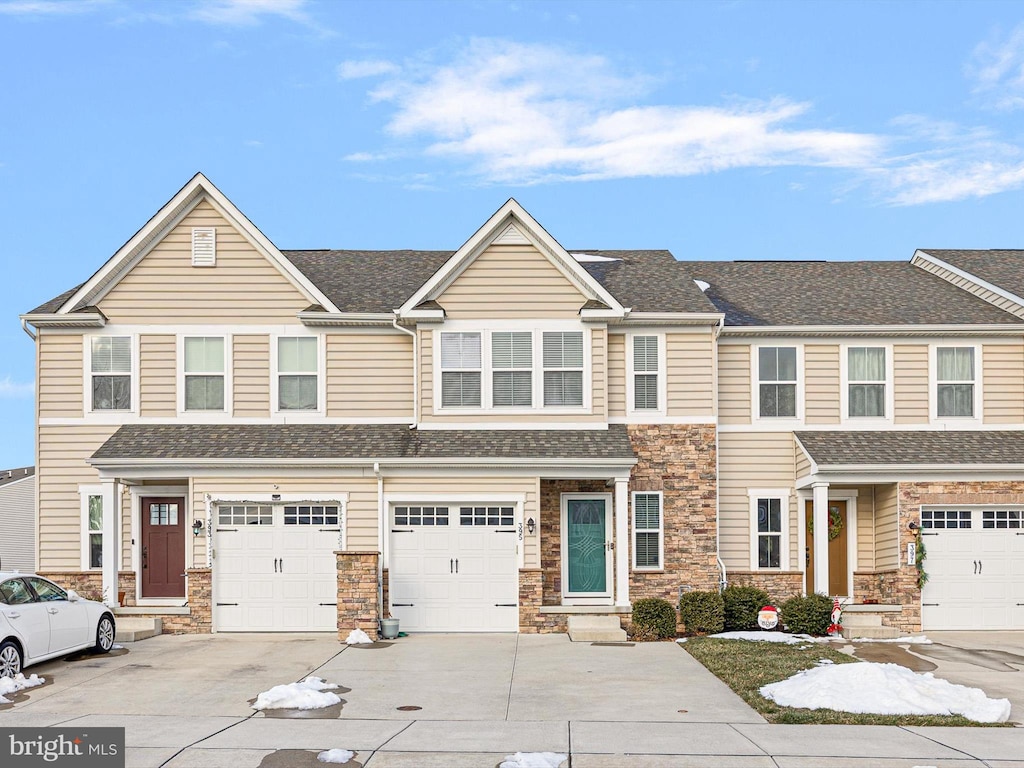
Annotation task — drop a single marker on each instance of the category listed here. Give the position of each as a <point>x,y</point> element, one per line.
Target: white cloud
<point>248,12</point>
<point>16,390</point>
<point>50,7</point>
<point>997,68</point>
<point>353,70</point>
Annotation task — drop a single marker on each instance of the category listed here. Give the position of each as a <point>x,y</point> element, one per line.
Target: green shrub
<point>703,613</point>
<point>742,605</point>
<point>809,615</point>
<point>653,618</point>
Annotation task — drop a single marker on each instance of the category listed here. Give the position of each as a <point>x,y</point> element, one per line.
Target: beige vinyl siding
<point>803,464</point>
<point>887,532</point>
<point>60,375</point>
<point>60,470</point>
<point>971,287</point>
<point>18,513</point>
<point>1003,384</point>
<point>158,375</point>
<point>910,371</point>
<point>599,368</point>
<point>734,383</point>
<point>748,461</point>
<point>465,487</point>
<point>251,376</point>
<point>512,281</point>
<point>821,383</point>
<point>865,526</point>
<point>690,385</point>
<point>616,375</point>
<point>164,287</point>
<point>369,376</point>
<point>426,339</point>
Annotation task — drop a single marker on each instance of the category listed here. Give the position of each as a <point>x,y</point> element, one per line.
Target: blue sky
<point>717,130</point>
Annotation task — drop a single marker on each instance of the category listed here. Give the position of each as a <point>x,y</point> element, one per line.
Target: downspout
<point>718,510</point>
<point>24,327</point>
<point>380,542</point>
<point>415,371</point>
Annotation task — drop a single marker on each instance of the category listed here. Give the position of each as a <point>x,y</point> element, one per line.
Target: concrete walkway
<point>184,702</point>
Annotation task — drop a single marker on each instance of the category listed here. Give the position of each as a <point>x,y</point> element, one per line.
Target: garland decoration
<point>835,523</point>
<point>919,556</point>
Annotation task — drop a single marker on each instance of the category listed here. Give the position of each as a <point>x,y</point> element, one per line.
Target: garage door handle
<point>451,565</point>
<point>980,566</point>
<point>456,565</point>
<point>275,565</point>
<point>402,605</point>
<point>975,567</point>
<point>280,564</point>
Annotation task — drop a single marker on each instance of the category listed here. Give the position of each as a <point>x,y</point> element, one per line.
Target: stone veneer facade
<point>357,593</point>
<point>780,585</point>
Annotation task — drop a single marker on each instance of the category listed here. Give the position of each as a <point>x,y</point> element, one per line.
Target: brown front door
<point>163,547</point>
<point>838,575</point>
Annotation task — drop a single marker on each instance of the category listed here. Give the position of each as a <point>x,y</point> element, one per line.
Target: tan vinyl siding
<point>616,375</point>
<point>821,383</point>
<point>426,340</point>
<point>599,366</point>
<point>1003,384</point>
<point>369,376</point>
<point>865,525</point>
<point>512,281</point>
<point>61,469</point>
<point>18,513</point>
<point>910,364</point>
<point>734,383</point>
<point>803,464</point>
<point>971,287</point>
<point>886,527</point>
<point>60,377</point>
<point>164,287</point>
<point>158,375</point>
<point>690,362</point>
<point>748,461</point>
<point>251,376</point>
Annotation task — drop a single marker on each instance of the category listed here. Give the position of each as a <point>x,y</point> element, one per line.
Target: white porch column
<point>111,544</point>
<point>621,541</point>
<point>820,554</point>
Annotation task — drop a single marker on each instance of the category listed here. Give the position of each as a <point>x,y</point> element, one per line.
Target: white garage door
<point>975,566</point>
<point>274,568</point>
<point>454,568</point>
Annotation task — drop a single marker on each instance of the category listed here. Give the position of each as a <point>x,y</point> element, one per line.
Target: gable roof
<point>647,281</point>
<point>794,293</point>
<point>10,476</point>
<point>913,448</point>
<point>1001,268</point>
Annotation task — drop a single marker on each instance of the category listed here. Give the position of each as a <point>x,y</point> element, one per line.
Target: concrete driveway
<point>474,699</point>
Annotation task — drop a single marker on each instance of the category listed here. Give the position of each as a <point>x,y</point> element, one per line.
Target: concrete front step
<point>133,628</point>
<point>596,629</point>
<point>871,633</point>
<point>861,619</point>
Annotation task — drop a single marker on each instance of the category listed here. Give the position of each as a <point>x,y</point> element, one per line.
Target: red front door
<point>163,547</point>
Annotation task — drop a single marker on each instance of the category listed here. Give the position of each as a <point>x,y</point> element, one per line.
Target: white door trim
<point>589,598</point>
<point>137,492</point>
<point>849,495</point>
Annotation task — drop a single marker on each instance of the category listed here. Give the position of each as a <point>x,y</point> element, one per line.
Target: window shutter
<point>204,246</point>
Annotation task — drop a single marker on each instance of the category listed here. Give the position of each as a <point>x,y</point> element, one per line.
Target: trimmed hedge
<point>703,613</point>
<point>810,615</point>
<point>653,618</point>
<point>742,605</point>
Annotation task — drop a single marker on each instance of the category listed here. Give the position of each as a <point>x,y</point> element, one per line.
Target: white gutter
<point>719,327</point>
<point>442,461</point>
<point>348,319</point>
<point>25,328</point>
<point>1009,329</point>
<point>415,371</point>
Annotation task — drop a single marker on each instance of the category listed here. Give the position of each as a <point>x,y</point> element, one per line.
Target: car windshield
<point>14,592</point>
<point>46,591</point>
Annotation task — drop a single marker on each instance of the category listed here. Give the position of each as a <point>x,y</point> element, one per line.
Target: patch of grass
<point>746,665</point>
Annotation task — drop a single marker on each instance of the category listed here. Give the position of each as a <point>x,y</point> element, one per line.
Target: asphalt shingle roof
<point>1003,268</point>
<point>358,441</point>
<point>14,475</point>
<point>647,281</point>
<point>55,303</point>
<point>752,293</point>
<point>903,448</point>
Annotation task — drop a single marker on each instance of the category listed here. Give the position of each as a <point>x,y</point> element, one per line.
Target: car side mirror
<point>73,597</point>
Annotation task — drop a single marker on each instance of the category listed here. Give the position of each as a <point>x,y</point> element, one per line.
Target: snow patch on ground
<point>682,639</point>
<point>18,683</point>
<point>533,760</point>
<point>339,756</point>
<point>311,693</point>
<point>914,639</point>
<point>884,689</point>
<point>768,637</point>
<point>357,637</point>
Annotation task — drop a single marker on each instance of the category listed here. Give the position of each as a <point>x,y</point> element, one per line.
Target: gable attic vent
<point>204,246</point>
<point>511,236</point>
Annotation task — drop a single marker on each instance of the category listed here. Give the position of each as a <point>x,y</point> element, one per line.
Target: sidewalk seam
<point>512,677</point>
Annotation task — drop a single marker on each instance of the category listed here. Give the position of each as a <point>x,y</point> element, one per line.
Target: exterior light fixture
<point>197,527</point>
<point>531,525</point>
<point>913,526</point>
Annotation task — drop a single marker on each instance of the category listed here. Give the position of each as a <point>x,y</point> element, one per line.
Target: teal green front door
<point>586,553</point>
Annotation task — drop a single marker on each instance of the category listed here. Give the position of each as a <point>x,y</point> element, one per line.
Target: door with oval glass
<point>586,548</point>
<point>838,548</point>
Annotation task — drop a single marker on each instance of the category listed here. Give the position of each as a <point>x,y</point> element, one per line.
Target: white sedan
<point>39,620</point>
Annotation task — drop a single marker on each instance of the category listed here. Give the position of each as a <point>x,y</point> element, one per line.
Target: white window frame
<point>844,388</point>
<point>492,369</point>
<point>660,531</point>
<point>631,374</point>
<point>933,385</point>
<point>755,386</point>
<point>321,377</point>
<point>228,383</point>
<point>784,497</point>
<point>87,374</point>
<point>84,492</point>
<point>485,351</point>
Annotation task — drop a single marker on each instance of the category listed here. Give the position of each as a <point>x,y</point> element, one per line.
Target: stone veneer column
<point>357,593</point>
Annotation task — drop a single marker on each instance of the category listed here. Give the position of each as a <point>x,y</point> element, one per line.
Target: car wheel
<point>11,660</point>
<point>105,634</point>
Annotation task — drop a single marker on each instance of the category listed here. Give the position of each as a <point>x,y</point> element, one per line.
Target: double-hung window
<point>768,530</point>
<point>955,382</point>
<point>777,381</point>
<point>866,382</point>
<point>461,360</point>
<point>110,365</point>
<point>563,368</point>
<point>204,373</point>
<point>648,531</point>
<point>645,373</point>
<point>297,373</point>
<point>512,369</point>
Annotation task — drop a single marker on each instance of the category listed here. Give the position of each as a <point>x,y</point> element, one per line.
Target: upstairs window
<point>954,389</point>
<point>297,367</point>
<point>563,368</point>
<point>645,373</point>
<point>111,370</point>
<point>866,375</point>
<point>512,369</point>
<point>204,373</point>
<point>460,370</point>
<point>777,382</point>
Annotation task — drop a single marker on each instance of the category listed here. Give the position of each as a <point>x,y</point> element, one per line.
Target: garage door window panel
<point>491,516</point>
<point>429,516</point>
<point>311,515</point>
<point>944,519</point>
<point>1001,518</point>
<point>241,514</point>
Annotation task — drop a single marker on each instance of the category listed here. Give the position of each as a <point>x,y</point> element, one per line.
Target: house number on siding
<point>520,529</point>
